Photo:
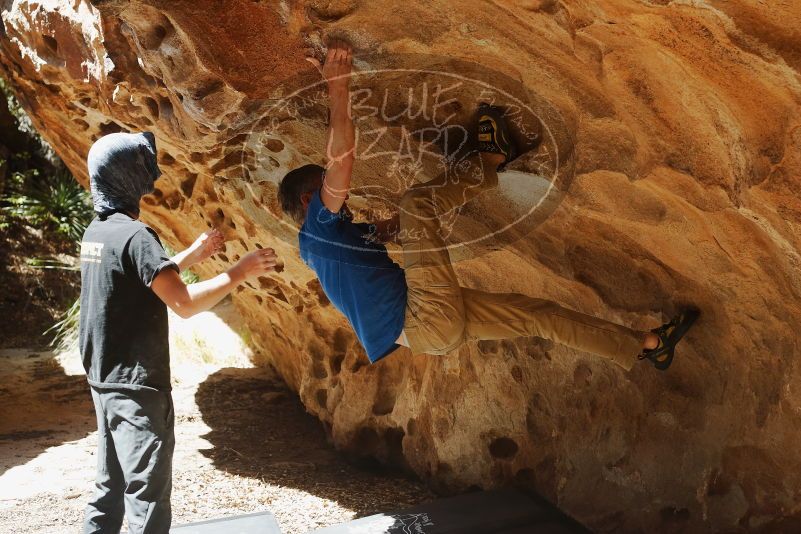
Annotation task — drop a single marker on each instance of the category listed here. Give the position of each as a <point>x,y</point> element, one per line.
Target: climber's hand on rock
<point>338,65</point>
<point>253,265</point>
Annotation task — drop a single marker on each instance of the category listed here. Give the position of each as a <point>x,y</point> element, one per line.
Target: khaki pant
<point>441,315</point>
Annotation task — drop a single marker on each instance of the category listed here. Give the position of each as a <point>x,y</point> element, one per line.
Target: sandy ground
<point>244,443</point>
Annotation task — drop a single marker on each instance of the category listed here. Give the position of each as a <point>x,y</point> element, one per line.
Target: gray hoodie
<point>122,169</point>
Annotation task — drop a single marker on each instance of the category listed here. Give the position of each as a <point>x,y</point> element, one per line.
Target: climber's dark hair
<point>295,183</point>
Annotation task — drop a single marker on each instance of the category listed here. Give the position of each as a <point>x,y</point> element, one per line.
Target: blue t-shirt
<point>357,275</point>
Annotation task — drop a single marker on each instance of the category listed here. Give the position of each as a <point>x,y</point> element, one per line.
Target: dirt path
<point>244,443</point>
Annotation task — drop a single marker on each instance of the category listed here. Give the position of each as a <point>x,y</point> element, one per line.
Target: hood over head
<point>122,169</point>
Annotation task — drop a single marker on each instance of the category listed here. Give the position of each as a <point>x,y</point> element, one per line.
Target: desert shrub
<point>56,204</point>
<point>37,192</point>
<point>187,275</point>
<point>65,331</point>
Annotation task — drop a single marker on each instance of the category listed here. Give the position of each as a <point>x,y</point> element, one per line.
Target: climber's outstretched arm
<point>341,136</point>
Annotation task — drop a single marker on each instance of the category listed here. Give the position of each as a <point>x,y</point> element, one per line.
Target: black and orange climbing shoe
<point>493,133</point>
<point>669,335</point>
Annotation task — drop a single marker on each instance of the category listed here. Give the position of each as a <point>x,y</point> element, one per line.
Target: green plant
<point>13,186</point>
<point>65,331</point>
<point>57,204</point>
<point>188,276</point>
<point>246,336</point>
<point>38,191</point>
<point>49,263</point>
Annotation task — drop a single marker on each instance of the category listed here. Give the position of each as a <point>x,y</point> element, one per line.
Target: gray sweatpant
<point>135,444</point>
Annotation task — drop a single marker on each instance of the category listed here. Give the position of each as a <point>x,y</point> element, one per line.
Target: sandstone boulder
<point>664,171</point>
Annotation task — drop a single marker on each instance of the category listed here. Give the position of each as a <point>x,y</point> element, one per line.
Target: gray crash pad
<point>258,523</point>
<point>484,512</point>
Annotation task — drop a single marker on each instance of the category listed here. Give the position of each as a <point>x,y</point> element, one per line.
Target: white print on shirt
<point>90,252</point>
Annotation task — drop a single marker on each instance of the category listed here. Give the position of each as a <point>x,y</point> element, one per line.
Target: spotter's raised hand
<point>206,245</point>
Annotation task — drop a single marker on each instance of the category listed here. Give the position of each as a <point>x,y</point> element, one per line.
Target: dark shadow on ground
<point>260,429</point>
<point>40,406</point>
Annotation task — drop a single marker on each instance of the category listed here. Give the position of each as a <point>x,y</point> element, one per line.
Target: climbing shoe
<point>669,335</point>
<point>493,133</point>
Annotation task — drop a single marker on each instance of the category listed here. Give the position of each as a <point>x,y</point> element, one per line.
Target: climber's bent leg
<point>507,315</point>
<point>434,321</point>
<point>462,182</point>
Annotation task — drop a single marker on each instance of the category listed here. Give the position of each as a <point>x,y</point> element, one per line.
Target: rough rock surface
<point>676,125</point>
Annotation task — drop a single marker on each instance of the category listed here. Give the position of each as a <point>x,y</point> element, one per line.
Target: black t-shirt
<point>124,335</point>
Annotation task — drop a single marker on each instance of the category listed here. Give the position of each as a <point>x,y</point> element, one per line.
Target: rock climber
<point>127,283</point>
<point>422,306</point>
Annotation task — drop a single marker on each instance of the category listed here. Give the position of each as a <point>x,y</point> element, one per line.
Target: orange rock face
<point>664,171</point>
